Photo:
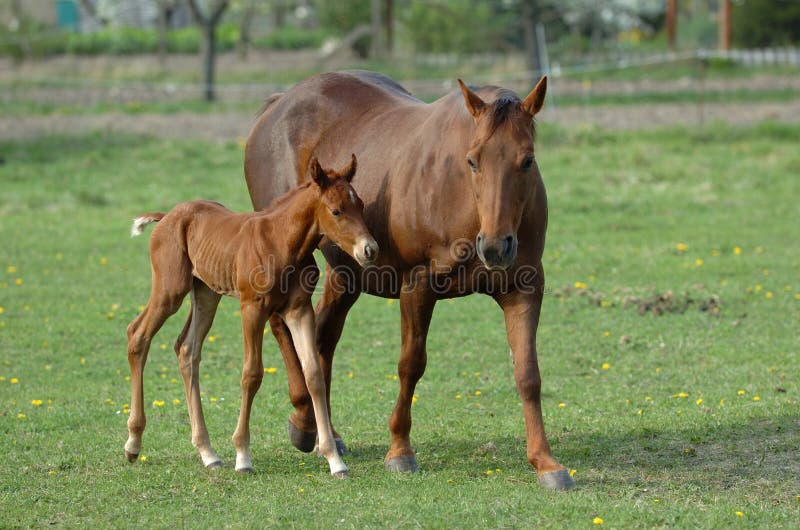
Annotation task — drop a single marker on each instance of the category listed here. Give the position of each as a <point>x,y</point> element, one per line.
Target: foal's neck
<point>293,217</point>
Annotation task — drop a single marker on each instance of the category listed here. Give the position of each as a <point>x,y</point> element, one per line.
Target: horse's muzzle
<point>497,253</point>
<point>366,252</point>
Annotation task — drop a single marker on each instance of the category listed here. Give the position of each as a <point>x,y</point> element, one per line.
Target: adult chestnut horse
<point>455,200</point>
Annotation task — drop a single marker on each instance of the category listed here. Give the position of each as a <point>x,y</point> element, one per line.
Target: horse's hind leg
<point>188,348</point>
<point>338,297</point>
<point>165,299</point>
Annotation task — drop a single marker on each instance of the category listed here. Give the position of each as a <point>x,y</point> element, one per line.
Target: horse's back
<point>324,109</point>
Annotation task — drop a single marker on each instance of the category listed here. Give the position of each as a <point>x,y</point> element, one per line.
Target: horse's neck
<point>292,220</point>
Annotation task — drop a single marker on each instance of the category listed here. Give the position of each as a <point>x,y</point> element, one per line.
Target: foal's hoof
<point>557,480</point>
<point>245,470</point>
<point>302,440</point>
<point>131,457</point>
<point>403,464</point>
<point>340,474</point>
<point>214,465</point>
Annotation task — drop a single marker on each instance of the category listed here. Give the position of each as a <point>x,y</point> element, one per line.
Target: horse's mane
<point>506,107</point>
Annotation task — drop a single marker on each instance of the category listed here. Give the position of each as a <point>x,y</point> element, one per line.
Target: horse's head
<point>340,212</point>
<point>503,168</point>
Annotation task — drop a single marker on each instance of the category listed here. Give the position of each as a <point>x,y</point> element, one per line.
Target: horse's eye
<point>527,163</point>
<point>336,213</point>
<point>472,164</point>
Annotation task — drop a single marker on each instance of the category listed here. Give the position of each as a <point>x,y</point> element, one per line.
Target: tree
<point>208,28</point>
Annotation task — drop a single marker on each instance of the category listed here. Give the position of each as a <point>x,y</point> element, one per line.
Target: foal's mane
<point>286,197</point>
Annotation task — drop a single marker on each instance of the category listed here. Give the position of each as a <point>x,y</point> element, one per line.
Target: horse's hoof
<point>557,480</point>
<point>245,470</point>
<point>131,457</point>
<point>302,440</point>
<point>341,448</point>
<point>340,474</point>
<point>214,465</point>
<point>403,464</point>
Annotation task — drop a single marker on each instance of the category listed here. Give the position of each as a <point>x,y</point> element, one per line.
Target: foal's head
<point>503,168</point>
<point>340,212</point>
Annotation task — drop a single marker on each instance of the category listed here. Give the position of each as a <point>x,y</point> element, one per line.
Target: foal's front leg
<point>254,318</point>
<point>300,321</point>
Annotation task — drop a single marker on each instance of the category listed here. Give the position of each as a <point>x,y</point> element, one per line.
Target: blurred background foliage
<point>38,28</point>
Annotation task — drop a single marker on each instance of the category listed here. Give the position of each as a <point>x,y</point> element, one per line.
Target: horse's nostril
<point>368,251</point>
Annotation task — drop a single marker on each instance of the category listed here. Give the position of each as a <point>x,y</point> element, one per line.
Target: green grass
<point>620,204</point>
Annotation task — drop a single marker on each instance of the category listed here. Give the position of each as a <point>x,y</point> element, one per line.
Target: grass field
<point>668,346</point>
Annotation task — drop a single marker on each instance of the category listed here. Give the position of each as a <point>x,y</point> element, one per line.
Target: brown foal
<point>265,259</point>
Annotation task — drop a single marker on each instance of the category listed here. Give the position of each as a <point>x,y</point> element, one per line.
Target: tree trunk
<point>672,7</point>
<point>529,19</point>
<point>243,46</point>
<point>725,25</point>
<point>375,12</point>
<point>162,32</point>
<point>389,21</point>
<point>209,59</point>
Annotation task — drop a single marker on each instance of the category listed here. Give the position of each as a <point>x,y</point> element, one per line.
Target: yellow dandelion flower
<point>489,472</point>
<point>350,375</point>
<point>477,392</point>
<point>562,405</point>
<point>158,403</point>
<point>110,315</point>
<point>756,398</point>
<point>606,333</point>
<point>142,458</point>
<point>580,285</point>
<point>741,392</point>
<point>11,269</point>
<point>739,514</point>
<point>300,490</point>
<point>737,250</point>
<point>213,400</point>
<point>765,272</point>
<point>458,396</point>
<point>414,399</point>
<point>681,395</point>
<point>682,247</point>
<point>18,281</point>
<point>597,520</point>
<point>759,250</point>
<point>572,472</point>
<point>722,402</point>
<point>648,398</point>
<point>103,261</point>
<point>1,310</point>
<point>21,416</point>
<point>797,296</point>
<point>83,360</point>
<point>758,288</point>
<point>498,470</point>
<point>605,366</point>
<point>176,401</point>
<point>36,402</point>
<point>270,370</point>
<point>640,412</point>
<point>768,294</point>
<point>14,380</point>
<point>212,338</point>
<point>173,380</point>
<point>51,472</point>
<point>699,401</point>
<point>2,378</point>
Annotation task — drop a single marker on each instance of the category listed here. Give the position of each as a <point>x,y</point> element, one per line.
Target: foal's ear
<point>534,101</point>
<point>318,174</point>
<point>349,172</point>
<point>474,103</point>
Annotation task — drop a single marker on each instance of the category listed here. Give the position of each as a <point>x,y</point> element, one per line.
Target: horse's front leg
<point>416,309</point>
<point>521,311</point>
<point>300,321</point>
<point>254,317</point>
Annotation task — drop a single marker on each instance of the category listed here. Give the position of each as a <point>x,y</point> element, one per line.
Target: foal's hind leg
<point>188,347</point>
<point>165,299</point>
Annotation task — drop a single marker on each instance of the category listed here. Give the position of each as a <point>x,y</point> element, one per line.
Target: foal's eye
<point>527,163</point>
<point>336,213</point>
<point>472,164</point>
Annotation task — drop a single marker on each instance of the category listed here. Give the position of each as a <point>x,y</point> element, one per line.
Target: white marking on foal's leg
<point>302,328</point>
<point>133,445</point>
<point>243,461</point>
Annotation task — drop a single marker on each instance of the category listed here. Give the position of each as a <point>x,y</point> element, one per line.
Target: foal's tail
<point>143,220</point>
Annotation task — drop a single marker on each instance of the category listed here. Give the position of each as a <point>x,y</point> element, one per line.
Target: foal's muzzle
<point>366,251</point>
<point>497,253</point>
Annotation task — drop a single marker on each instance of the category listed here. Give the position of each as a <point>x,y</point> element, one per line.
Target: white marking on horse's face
<point>352,196</point>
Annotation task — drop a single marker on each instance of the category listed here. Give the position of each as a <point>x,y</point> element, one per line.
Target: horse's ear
<point>474,103</point>
<point>534,101</point>
<point>350,171</point>
<point>318,174</point>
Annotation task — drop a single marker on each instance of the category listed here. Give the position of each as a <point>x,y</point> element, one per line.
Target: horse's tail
<point>143,220</point>
<point>269,101</point>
